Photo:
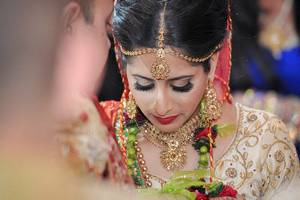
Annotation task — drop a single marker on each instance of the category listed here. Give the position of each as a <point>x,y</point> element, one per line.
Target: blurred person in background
<point>84,128</point>
<point>266,51</point>
<point>27,52</point>
<point>278,34</point>
<point>83,48</point>
<point>27,41</point>
<point>31,164</point>
<point>245,45</point>
<point>266,58</point>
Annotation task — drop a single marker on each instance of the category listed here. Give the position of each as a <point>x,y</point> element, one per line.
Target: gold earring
<point>210,106</point>
<point>131,106</point>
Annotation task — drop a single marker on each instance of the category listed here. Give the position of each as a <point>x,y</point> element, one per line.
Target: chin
<point>174,126</point>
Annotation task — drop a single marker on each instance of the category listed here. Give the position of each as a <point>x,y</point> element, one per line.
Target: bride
<point>176,112</point>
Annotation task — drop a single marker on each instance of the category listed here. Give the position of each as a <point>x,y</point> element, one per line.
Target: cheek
<point>141,98</point>
<point>143,101</point>
<point>189,102</point>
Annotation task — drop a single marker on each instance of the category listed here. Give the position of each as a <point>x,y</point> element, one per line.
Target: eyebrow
<point>180,77</point>
<point>171,79</point>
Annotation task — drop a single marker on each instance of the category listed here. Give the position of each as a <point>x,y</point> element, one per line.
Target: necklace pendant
<point>173,159</point>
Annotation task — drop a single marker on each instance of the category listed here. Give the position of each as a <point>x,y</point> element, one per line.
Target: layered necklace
<point>173,154</point>
<point>173,145</point>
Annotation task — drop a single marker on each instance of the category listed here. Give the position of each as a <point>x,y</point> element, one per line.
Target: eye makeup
<point>179,84</point>
<point>140,87</point>
<point>182,85</point>
<point>186,88</point>
<point>143,83</point>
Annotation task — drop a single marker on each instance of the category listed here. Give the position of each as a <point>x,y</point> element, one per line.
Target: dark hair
<point>195,27</point>
<point>297,16</point>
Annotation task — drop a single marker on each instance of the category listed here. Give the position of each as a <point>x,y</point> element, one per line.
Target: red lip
<point>166,120</point>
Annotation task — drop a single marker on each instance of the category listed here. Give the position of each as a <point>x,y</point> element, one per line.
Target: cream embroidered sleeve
<point>279,162</point>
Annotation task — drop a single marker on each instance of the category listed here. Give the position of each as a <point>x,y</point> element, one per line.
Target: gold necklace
<point>172,144</point>
<point>142,164</point>
<point>144,170</point>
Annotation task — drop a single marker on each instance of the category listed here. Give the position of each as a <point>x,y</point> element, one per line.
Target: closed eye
<point>143,83</point>
<point>141,87</point>
<point>185,88</point>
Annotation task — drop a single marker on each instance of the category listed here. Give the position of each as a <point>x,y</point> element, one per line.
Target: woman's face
<point>167,104</point>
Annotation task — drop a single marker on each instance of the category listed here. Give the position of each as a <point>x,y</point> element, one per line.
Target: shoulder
<point>270,130</point>
<point>261,123</point>
<point>278,159</point>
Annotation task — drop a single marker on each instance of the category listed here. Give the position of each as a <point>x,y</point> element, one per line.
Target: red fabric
<point>116,167</point>
<point>121,70</point>
<point>228,191</point>
<point>222,73</point>
<point>202,133</point>
<point>200,196</point>
<point>107,111</point>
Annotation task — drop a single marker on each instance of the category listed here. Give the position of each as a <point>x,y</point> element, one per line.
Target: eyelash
<point>143,88</point>
<point>185,88</point>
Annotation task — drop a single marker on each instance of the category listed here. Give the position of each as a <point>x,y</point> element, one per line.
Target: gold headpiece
<point>160,69</point>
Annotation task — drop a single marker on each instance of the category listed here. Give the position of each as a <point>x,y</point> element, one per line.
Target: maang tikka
<point>160,69</point>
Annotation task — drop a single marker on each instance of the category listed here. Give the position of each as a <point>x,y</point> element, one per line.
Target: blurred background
<point>265,60</point>
<point>265,75</point>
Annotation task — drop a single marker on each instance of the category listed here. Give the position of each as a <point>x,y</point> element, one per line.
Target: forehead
<point>142,65</point>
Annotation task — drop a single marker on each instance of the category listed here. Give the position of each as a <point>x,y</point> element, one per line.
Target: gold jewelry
<point>172,144</point>
<point>160,69</point>
<point>144,170</point>
<point>142,164</point>
<point>131,106</point>
<point>210,106</point>
<point>194,59</point>
<point>178,54</point>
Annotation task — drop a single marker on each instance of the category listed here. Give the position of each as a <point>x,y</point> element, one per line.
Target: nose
<point>163,103</point>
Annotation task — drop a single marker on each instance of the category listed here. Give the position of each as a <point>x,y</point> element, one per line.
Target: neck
<point>228,114</point>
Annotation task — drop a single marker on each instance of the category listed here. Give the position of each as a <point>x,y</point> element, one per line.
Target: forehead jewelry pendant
<point>160,69</point>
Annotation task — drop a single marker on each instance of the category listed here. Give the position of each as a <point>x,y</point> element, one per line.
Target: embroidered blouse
<point>261,161</point>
